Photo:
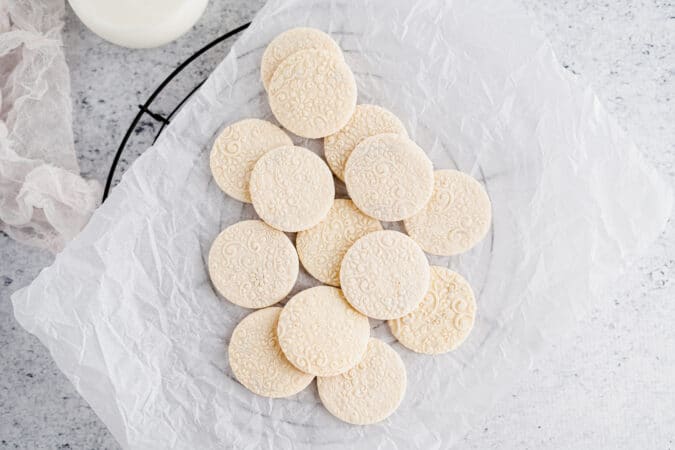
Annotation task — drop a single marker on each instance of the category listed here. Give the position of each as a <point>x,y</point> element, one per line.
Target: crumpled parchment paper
<point>129,314</point>
<point>43,200</point>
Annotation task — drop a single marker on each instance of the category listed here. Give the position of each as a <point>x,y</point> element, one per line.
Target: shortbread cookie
<point>322,247</point>
<point>368,120</point>
<point>371,391</point>
<point>291,41</point>
<point>312,93</point>
<point>253,265</point>
<point>456,218</point>
<point>257,360</point>
<point>320,333</point>
<point>291,188</point>
<point>385,275</point>
<point>444,318</point>
<point>389,177</point>
<point>237,149</point>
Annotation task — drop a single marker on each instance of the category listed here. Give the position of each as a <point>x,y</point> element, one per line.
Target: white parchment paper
<point>129,314</point>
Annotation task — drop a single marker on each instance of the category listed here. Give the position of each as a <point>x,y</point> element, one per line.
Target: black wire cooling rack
<point>164,119</point>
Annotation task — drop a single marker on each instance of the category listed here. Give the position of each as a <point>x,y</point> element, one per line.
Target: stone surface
<point>609,386</point>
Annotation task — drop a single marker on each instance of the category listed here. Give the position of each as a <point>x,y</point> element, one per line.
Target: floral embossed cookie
<point>253,265</point>
<point>369,392</point>
<point>312,93</point>
<point>291,41</point>
<point>322,247</point>
<point>389,177</point>
<point>320,333</point>
<point>236,150</point>
<point>385,275</point>
<point>456,218</point>
<point>444,318</point>
<point>368,120</point>
<point>291,188</point>
<point>257,360</point>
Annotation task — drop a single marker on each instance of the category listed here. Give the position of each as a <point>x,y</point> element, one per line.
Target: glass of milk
<point>139,23</point>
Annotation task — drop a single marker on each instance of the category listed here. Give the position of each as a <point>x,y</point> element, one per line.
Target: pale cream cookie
<point>253,265</point>
<point>369,392</point>
<point>368,120</point>
<point>320,333</point>
<point>292,188</point>
<point>385,275</point>
<point>312,93</point>
<point>236,150</point>
<point>456,218</point>
<point>257,360</point>
<point>389,177</point>
<point>291,41</point>
<point>444,318</point>
<point>322,247</point>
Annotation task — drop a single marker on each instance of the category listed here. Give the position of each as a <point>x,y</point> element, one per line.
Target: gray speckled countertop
<point>610,386</point>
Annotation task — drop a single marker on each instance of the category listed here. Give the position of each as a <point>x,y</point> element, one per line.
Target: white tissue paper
<point>43,200</point>
<point>129,314</point>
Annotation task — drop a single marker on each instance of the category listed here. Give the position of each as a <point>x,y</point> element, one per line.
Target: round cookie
<point>456,218</point>
<point>236,150</point>
<point>371,391</point>
<point>322,247</point>
<point>444,318</point>
<point>389,177</point>
<point>291,41</point>
<point>291,188</point>
<point>253,265</point>
<point>320,333</point>
<point>257,360</point>
<point>312,93</point>
<point>368,120</point>
<point>385,275</point>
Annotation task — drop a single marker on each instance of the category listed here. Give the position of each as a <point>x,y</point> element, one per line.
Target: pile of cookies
<point>367,271</point>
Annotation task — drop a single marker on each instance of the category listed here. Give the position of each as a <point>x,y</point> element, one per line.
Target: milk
<point>139,23</point>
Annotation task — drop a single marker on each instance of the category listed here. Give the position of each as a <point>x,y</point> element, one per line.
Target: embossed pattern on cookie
<point>369,392</point>
<point>312,93</point>
<point>322,247</point>
<point>456,218</point>
<point>256,358</point>
<point>389,177</point>
<point>385,275</point>
<point>253,265</point>
<point>236,150</point>
<point>444,318</point>
<point>320,333</point>
<point>292,189</point>
<point>367,120</point>
<point>291,41</point>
